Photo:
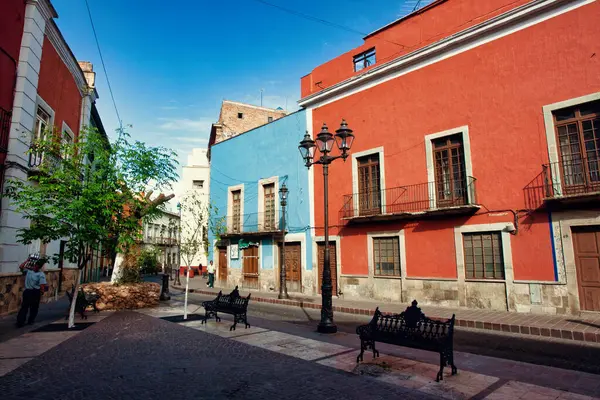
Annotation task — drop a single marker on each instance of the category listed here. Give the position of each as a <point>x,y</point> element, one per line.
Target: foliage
<point>194,219</point>
<point>148,261</point>
<point>218,225</point>
<point>91,192</point>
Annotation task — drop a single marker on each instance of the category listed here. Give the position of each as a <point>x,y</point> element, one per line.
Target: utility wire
<point>103,64</point>
<point>320,20</point>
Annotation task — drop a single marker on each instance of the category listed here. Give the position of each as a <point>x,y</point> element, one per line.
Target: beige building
<point>236,118</point>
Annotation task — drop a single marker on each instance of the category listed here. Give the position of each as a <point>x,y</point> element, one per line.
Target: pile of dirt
<point>124,297</point>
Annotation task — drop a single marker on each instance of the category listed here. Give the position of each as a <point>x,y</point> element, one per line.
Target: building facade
<point>236,118</point>
<point>473,179</point>
<point>195,177</point>
<point>46,89</point>
<point>162,234</point>
<point>247,172</point>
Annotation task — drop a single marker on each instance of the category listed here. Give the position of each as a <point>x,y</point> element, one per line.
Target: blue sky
<point>172,63</point>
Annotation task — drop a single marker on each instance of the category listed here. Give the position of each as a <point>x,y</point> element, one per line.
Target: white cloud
<point>169,108</point>
<point>189,139</point>
<point>185,124</point>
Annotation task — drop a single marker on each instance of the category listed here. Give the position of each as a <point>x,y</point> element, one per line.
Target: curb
<point>550,333</point>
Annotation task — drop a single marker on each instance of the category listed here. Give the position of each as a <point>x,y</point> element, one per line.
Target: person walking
<point>211,274</point>
<point>35,285</point>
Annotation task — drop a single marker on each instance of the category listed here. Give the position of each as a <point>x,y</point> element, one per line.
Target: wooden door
<point>586,242</point>
<point>250,268</point>
<point>293,266</point>
<point>223,265</point>
<point>332,262</point>
<point>237,208</point>
<point>450,180</point>
<point>269,216</point>
<point>369,188</point>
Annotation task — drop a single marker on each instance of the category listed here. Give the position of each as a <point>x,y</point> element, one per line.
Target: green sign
<point>245,244</point>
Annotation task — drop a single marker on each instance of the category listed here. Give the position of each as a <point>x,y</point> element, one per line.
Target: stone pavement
<point>585,329</point>
<point>127,355</point>
<point>130,355</point>
<point>409,373</point>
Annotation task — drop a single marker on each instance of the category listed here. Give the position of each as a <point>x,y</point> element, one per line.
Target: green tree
<point>92,193</point>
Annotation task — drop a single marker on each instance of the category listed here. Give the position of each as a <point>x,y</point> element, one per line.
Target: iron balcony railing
<point>5,120</point>
<point>416,198</point>
<point>262,222</point>
<point>567,178</point>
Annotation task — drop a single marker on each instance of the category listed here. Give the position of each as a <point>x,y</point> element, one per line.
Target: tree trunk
<point>74,302</point>
<point>116,272</point>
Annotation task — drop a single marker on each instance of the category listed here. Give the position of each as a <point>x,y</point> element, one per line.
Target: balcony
<point>564,183</point>
<point>256,224</point>
<point>423,200</point>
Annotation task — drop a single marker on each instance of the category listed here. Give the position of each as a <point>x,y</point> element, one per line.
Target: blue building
<point>247,172</point>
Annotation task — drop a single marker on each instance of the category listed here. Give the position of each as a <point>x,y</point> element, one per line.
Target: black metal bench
<point>232,304</point>
<point>84,300</point>
<point>410,329</point>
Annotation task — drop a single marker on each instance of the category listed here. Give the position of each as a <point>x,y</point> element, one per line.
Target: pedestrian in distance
<point>35,286</point>
<point>211,274</point>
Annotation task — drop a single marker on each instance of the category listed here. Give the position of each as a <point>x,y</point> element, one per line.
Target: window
<point>364,60</point>
<point>386,256</point>
<point>198,184</point>
<point>269,193</point>
<point>66,140</point>
<point>236,217</point>
<point>578,131</point>
<point>450,180</point>
<point>42,125</point>
<point>369,187</point>
<point>483,255</point>
<point>269,119</point>
<point>240,115</point>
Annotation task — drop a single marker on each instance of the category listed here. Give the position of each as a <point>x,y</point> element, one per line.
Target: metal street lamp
<point>283,294</point>
<point>344,138</point>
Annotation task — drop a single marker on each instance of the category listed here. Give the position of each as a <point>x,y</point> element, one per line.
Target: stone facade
<point>236,118</point>
<point>12,285</point>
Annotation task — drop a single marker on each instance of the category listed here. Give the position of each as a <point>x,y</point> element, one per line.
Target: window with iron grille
<point>269,193</point>
<point>369,188</point>
<point>364,59</point>
<point>67,140</point>
<point>578,133</point>
<point>483,255</point>
<point>386,256</point>
<point>236,196</point>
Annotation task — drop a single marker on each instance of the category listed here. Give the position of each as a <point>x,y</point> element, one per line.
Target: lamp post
<point>344,139</point>
<point>283,294</point>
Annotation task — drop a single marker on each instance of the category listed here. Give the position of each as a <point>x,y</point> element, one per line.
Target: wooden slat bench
<point>413,329</point>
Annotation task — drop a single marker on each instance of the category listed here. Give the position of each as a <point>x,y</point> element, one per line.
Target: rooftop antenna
<point>261,97</point>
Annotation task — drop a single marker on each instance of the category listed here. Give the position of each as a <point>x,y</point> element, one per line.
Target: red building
<point>42,88</point>
<point>474,179</point>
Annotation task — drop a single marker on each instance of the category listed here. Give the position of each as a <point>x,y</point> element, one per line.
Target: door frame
<point>218,263</point>
<point>292,237</point>
<point>566,270</point>
<point>574,230</point>
<point>464,131</point>
<point>338,259</point>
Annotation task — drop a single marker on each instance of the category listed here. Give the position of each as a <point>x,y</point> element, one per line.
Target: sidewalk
<point>584,329</point>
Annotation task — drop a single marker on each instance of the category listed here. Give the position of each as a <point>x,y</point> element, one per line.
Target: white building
<point>162,233</point>
<point>195,180</point>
